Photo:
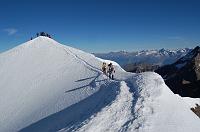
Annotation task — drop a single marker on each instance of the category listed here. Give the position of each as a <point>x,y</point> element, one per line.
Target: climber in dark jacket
<point>111,71</point>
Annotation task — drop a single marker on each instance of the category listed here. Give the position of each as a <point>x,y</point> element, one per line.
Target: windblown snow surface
<point>46,86</point>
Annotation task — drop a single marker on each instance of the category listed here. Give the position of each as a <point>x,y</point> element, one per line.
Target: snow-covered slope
<point>42,77</point>
<point>160,109</point>
<point>156,57</point>
<point>192,101</point>
<point>46,86</point>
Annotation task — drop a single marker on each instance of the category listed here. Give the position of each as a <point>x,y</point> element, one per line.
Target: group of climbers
<point>42,34</point>
<point>108,70</point>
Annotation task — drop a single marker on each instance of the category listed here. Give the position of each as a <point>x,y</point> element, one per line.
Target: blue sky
<point>102,25</point>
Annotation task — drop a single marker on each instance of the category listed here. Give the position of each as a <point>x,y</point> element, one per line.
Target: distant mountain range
<point>156,57</point>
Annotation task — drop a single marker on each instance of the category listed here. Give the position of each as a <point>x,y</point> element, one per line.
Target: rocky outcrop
<point>196,110</point>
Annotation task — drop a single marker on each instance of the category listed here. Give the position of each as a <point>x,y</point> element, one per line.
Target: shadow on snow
<point>92,83</point>
<point>74,115</point>
<point>85,79</point>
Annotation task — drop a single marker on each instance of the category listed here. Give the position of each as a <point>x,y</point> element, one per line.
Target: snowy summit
<point>46,86</point>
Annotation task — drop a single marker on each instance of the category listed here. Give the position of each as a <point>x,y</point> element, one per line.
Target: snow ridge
<point>63,89</point>
<point>114,116</point>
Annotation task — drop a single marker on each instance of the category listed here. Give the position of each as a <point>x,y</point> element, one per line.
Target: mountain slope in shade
<point>46,86</point>
<point>156,57</point>
<point>183,76</point>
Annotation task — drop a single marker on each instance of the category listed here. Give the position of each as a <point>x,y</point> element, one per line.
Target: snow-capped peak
<point>46,86</point>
